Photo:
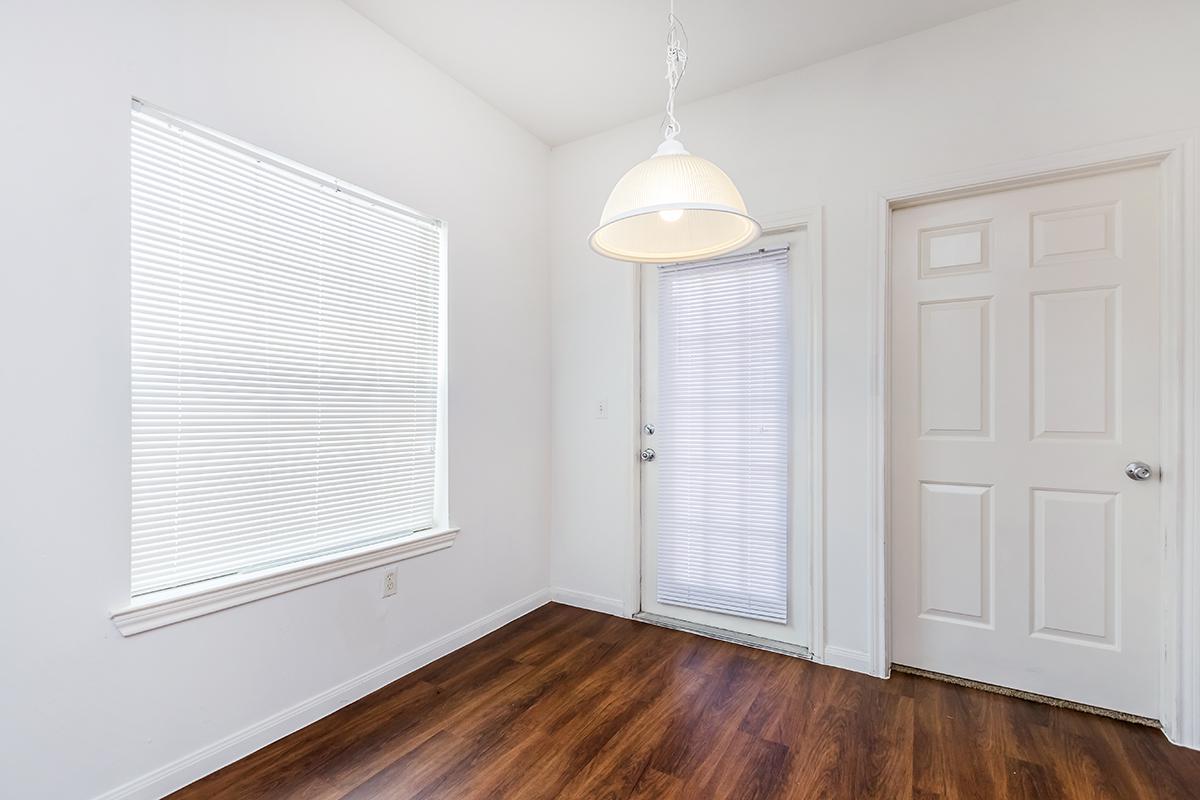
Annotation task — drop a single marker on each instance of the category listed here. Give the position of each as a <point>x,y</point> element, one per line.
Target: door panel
<point>1074,566</point>
<point>1074,364</point>
<point>956,367</point>
<point>956,553</point>
<point>1025,376</point>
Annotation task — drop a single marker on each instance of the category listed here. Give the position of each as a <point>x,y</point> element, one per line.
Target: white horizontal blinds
<point>285,361</point>
<point>722,429</point>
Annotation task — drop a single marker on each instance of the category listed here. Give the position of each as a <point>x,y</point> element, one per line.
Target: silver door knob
<point>1139,471</point>
<point>647,454</point>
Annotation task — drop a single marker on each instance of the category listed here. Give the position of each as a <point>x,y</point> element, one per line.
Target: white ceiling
<point>564,69</point>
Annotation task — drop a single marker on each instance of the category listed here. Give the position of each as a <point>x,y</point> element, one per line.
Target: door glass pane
<point>724,377</point>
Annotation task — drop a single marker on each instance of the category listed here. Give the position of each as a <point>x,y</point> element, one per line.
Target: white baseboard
<point>845,658</point>
<point>592,602</point>
<point>177,774</point>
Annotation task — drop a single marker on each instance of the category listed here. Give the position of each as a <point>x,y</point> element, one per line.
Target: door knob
<point>647,455</point>
<point>1139,471</point>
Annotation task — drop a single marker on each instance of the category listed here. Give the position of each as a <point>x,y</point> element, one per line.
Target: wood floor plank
<point>885,737</point>
<point>1025,780</point>
<point>655,785</point>
<point>749,768</point>
<point>571,704</point>
<point>817,768</point>
<point>421,767</point>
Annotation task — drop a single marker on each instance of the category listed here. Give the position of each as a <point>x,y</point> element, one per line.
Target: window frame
<point>167,606</point>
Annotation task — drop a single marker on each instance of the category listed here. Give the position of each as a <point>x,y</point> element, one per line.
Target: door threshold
<point>724,635</point>
<point>1031,696</point>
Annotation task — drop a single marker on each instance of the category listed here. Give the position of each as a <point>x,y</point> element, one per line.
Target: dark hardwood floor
<point>565,703</point>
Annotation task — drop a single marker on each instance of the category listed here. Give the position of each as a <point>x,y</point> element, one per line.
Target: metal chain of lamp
<point>676,66</point>
<point>674,206</point>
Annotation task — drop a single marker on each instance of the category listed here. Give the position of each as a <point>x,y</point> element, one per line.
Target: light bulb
<point>670,214</point>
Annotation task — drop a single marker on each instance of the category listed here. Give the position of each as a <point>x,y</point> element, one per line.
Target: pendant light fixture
<point>674,206</point>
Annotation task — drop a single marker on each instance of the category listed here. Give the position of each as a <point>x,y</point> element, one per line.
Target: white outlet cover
<point>389,583</point>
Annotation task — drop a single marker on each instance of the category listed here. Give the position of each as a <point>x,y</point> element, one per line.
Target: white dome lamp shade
<point>673,206</point>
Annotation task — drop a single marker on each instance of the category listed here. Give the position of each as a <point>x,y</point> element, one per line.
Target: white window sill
<point>175,605</point>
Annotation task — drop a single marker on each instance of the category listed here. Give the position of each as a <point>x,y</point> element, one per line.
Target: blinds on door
<point>724,378</point>
<point>285,360</point>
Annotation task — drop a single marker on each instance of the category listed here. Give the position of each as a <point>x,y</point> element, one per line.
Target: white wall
<point>1027,79</point>
<point>83,710</point>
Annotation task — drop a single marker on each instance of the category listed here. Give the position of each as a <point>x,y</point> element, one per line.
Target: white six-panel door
<point>1025,377</point>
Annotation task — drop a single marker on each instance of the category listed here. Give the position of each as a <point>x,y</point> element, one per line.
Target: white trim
<point>175,605</point>
<point>441,460</point>
<point>878,521</point>
<point>812,220</point>
<point>1181,449</point>
<point>725,635</point>
<point>206,760</point>
<point>845,658</point>
<point>592,602</point>
<point>1173,154</point>
<point>633,562</point>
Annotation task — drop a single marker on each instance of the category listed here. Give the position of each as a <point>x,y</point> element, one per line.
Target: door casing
<point>1173,155</point>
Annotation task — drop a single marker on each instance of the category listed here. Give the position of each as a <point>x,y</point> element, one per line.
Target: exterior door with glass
<point>724,541</point>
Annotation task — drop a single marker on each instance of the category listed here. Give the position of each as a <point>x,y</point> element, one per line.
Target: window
<point>287,372</point>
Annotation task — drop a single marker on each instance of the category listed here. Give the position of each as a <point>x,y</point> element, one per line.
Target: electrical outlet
<point>601,409</point>
<point>389,583</point>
